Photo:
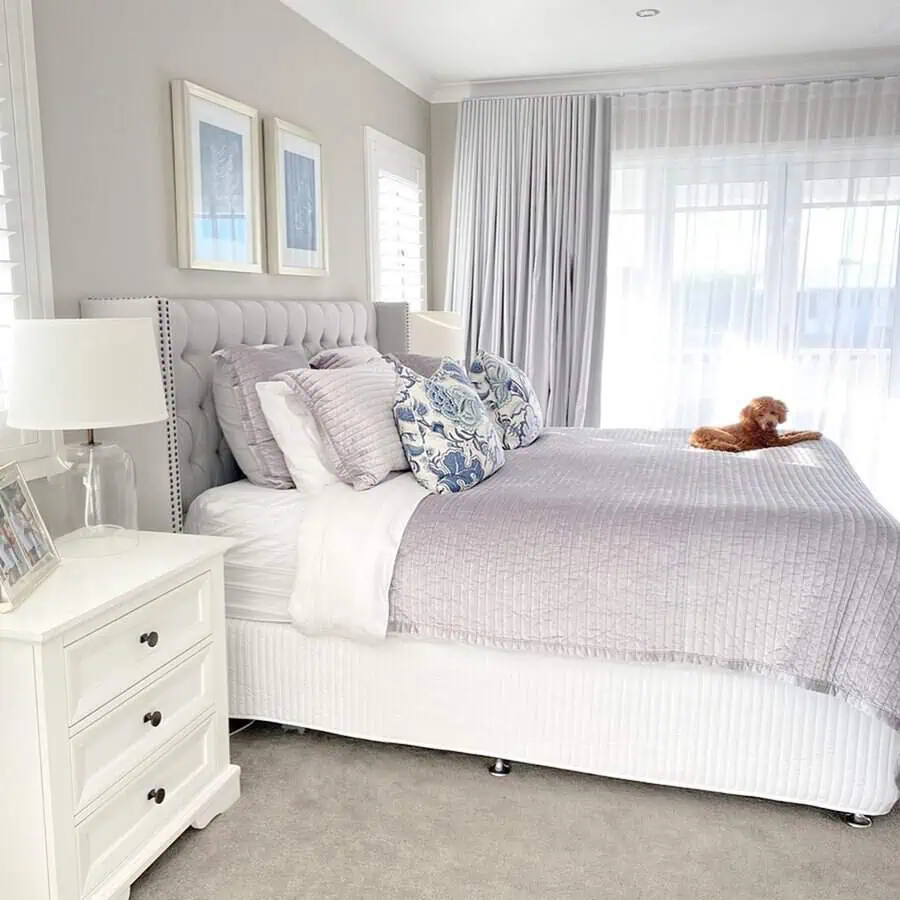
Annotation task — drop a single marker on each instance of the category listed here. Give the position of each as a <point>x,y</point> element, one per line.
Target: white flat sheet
<point>261,570</point>
<point>346,547</point>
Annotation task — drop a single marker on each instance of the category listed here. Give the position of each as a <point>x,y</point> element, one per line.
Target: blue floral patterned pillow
<point>508,394</point>
<point>447,432</point>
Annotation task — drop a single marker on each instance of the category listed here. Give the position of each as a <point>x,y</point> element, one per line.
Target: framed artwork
<point>27,554</point>
<point>296,232</point>
<point>218,195</point>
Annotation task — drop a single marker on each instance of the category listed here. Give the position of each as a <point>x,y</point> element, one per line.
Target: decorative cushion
<point>236,372</point>
<point>353,410</point>
<point>344,357</point>
<point>297,436</point>
<point>509,395</point>
<point>447,432</point>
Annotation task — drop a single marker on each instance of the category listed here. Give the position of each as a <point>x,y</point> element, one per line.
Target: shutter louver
<point>397,222</point>
<point>25,284</point>
<point>10,248</point>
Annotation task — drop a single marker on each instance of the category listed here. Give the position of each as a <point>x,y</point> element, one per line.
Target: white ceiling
<point>430,43</point>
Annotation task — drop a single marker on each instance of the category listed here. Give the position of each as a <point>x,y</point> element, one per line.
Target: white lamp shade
<point>437,334</point>
<point>84,373</point>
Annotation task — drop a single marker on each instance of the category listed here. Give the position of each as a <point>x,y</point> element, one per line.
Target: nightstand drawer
<point>108,661</point>
<point>132,816</point>
<point>106,751</point>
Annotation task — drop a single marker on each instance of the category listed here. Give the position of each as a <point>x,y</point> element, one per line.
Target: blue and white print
<point>510,397</point>
<point>300,202</point>
<point>447,433</point>
<point>221,225</point>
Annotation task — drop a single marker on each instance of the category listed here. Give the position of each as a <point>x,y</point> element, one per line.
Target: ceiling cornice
<point>721,73</point>
<point>724,73</point>
<point>365,44</point>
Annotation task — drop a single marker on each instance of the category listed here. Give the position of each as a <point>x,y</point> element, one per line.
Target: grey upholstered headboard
<point>179,459</point>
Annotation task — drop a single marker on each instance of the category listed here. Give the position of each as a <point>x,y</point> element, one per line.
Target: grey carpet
<point>328,817</point>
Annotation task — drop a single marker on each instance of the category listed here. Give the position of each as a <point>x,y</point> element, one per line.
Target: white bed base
<point>692,727</point>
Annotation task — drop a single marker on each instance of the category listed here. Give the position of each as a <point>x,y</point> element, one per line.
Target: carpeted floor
<point>328,817</point>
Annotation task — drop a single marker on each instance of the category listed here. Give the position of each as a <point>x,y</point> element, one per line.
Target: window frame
<point>39,455</point>
<point>871,165</point>
<point>380,147</point>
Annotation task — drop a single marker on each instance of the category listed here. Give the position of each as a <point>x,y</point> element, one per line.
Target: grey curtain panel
<point>528,242</point>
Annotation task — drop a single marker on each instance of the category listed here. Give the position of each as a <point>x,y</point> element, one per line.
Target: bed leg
<point>499,767</point>
<point>857,820</point>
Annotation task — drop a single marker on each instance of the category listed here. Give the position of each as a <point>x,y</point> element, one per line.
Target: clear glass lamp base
<point>101,501</point>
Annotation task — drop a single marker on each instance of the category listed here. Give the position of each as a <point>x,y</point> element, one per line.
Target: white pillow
<point>297,435</point>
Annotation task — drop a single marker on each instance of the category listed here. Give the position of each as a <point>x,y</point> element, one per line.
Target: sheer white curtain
<point>753,249</point>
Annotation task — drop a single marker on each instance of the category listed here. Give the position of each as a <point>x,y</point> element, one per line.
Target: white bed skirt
<point>688,726</point>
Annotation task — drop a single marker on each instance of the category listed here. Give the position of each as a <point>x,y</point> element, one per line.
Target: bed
<point>666,722</point>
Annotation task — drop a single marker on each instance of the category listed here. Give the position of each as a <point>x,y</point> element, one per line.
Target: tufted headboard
<point>179,459</point>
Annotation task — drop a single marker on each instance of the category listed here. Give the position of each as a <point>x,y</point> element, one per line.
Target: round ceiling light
<point>647,13</point>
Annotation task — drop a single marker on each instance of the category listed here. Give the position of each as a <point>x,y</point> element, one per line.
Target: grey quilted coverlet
<point>629,545</point>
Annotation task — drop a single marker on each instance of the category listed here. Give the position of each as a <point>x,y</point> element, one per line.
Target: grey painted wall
<point>104,68</point>
<point>444,119</point>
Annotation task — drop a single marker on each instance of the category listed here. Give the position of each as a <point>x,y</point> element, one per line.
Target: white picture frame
<point>27,552</point>
<point>218,191</point>
<point>296,226</point>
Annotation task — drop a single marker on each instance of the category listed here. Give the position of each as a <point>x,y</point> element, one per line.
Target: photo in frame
<point>27,553</point>
<point>218,186</point>
<point>296,233</point>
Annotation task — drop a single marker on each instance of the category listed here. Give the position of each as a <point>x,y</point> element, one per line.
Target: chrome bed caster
<point>499,767</point>
<point>857,820</point>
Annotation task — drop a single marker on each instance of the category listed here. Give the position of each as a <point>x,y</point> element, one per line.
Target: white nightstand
<point>113,718</point>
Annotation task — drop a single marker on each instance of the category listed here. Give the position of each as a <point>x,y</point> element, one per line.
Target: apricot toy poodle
<point>757,430</point>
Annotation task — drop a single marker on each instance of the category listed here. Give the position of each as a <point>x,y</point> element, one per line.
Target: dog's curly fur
<point>757,430</point>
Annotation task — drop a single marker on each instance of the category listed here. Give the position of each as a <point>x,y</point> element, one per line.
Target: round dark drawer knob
<point>151,638</point>
<point>157,795</point>
<point>154,718</point>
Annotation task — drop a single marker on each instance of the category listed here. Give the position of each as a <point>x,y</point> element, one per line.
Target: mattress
<point>260,570</point>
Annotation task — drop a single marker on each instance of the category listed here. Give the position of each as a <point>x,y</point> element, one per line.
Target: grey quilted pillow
<point>236,372</point>
<point>422,365</point>
<point>354,411</point>
<point>344,357</point>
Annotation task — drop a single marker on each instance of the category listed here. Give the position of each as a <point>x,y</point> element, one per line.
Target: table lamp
<point>77,374</point>
<point>437,333</point>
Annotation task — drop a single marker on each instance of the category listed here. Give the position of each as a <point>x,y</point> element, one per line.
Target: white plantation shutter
<point>395,176</point>
<point>25,287</point>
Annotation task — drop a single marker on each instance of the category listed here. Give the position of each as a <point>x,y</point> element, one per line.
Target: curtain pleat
<point>526,265</point>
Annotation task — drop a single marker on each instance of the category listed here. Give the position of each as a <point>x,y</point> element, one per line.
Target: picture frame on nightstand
<point>27,552</point>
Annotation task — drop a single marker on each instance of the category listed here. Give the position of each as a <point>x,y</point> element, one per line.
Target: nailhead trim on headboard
<point>158,309</point>
<point>393,327</point>
<point>167,368</point>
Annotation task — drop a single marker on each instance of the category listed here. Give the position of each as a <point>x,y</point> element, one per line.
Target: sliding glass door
<point>734,273</point>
